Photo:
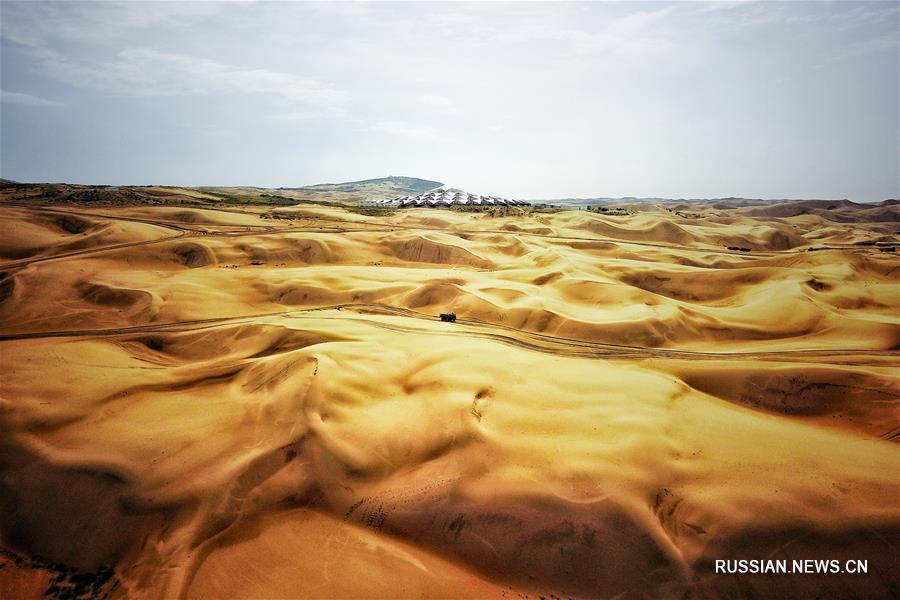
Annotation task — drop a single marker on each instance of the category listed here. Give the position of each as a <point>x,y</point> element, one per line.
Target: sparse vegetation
<point>616,211</point>
<point>372,211</point>
<point>260,199</point>
<point>66,582</point>
<point>491,209</point>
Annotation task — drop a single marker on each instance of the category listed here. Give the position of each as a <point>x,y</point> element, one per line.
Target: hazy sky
<point>532,100</point>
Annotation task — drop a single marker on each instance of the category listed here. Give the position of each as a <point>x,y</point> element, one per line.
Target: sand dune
<point>202,403</point>
<point>841,210</point>
<point>29,234</point>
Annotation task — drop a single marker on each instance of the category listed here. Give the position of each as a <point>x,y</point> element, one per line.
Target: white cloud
<point>884,43</point>
<point>401,128</point>
<point>634,33</point>
<point>437,101</point>
<point>297,116</point>
<point>148,72</point>
<point>719,5</point>
<point>569,85</point>
<point>37,23</point>
<point>26,99</point>
<point>639,33</point>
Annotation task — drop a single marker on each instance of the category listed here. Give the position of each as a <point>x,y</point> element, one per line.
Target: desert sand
<point>260,402</point>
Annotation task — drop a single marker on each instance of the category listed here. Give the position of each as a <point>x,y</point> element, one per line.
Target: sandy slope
<point>218,403</point>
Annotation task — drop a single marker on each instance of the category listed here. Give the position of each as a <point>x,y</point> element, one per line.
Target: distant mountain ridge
<point>349,193</point>
<point>392,184</point>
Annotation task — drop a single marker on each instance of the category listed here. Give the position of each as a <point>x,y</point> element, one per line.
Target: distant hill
<point>635,200</point>
<point>730,201</point>
<point>351,192</point>
<point>392,186</point>
<point>328,194</point>
<point>839,211</point>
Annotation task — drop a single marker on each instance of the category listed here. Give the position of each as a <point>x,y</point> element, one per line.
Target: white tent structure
<point>443,197</point>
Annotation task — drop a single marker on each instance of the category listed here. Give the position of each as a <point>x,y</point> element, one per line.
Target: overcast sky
<point>532,100</point>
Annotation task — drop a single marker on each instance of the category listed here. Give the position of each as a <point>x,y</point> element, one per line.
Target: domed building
<point>443,197</point>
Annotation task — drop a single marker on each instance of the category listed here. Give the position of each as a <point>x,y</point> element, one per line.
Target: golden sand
<point>215,403</point>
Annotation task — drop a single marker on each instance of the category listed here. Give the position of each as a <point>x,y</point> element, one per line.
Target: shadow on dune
<point>78,515</point>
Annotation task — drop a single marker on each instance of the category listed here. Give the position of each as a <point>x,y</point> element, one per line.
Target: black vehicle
<point>448,317</point>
